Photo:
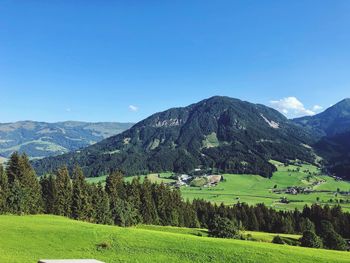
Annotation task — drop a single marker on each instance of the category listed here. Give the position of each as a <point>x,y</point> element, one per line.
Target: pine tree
<point>174,208</point>
<point>331,239</point>
<point>100,202</point>
<point>190,216</point>
<point>32,188</point>
<point>81,205</point>
<point>161,202</point>
<point>4,190</point>
<point>24,188</point>
<point>148,209</point>
<point>306,225</point>
<point>134,199</point>
<point>63,200</point>
<point>253,223</point>
<point>223,228</point>
<point>310,239</point>
<point>13,169</point>
<point>16,197</point>
<point>115,190</point>
<point>49,193</point>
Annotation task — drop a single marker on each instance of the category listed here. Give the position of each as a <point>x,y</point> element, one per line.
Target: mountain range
<point>331,128</point>
<point>223,133</point>
<point>41,139</point>
<point>219,134</point>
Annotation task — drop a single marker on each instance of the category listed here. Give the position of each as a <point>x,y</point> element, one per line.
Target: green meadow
<point>253,189</point>
<point>29,238</point>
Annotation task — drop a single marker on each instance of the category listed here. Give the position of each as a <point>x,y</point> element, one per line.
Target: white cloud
<point>292,107</point>
<point>317,108</point>
<point>133,108</point>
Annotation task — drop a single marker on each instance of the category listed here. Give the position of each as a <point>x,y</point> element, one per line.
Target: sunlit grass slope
<point>29,238</point>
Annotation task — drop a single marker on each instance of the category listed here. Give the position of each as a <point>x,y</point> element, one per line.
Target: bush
<point>310,239</point>
<point>333,240</point>
<point>223,228</point>
<point>278,240</point>
<point>290,241</point>
<point>104,245</point>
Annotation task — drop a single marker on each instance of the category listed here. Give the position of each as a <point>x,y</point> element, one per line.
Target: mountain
<point>220,132</point>
<point>332,128</point>
<point>41,139</point>
<point>334,120</point>
<point>336,151</point>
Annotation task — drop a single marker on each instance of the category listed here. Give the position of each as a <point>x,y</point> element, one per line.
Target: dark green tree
<point>63,185</point>
<point>253,223</point>
<point>223,228</point>
<point>114,187</point>
<point>100,204</point>
<point>310,239</point>
<point>24,188</point>
<point>306,225</point>
<point>190,216</point>
<point>4,190</point>
<point>331,239</point>
<point>49,193</point>
<point>148,209</point>
<point>32,188</point>
<point>81,206</point>
<point>134,199</point>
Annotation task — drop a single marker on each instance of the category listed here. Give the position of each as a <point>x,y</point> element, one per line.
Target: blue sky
<point>124,60</point>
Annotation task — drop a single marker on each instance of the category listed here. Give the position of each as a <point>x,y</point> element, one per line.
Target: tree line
<point>123,203</point>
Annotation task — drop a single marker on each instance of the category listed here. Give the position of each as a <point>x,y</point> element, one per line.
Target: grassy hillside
<point>253,189</point>
<point>28,238</point>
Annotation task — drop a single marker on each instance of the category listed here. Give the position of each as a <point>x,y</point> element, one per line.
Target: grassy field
<point>253,189</point>
<point>29,238</point>
<point>258,236</point>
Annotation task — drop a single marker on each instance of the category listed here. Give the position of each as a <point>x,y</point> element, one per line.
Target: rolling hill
<point>219,133</point>
<point>30,238</point>
<point>41,139</point>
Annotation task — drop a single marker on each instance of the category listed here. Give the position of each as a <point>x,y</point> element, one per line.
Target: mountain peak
<point>220,132</point>
<point>334,120</point>
<point>344,102</point>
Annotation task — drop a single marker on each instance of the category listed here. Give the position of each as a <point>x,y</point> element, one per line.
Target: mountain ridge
<point>332,128</point>
<point>224,133</point>
<point>42,139</point>
<point>332,121</point>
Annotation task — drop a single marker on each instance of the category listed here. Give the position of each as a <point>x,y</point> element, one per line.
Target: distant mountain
<point>334,120</point>
<point>336,151</point>
<point>222,133</point>
<point>41,139</point>
<point>332,128</point>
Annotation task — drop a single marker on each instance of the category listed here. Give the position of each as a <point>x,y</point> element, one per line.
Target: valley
<point>175,131</point>
<point>255,189</point>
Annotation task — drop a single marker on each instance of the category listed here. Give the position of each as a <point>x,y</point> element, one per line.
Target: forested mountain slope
<point>220,132</point>
<point>332,128</point>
